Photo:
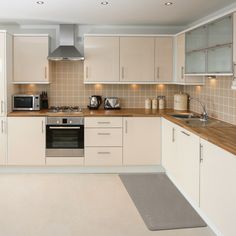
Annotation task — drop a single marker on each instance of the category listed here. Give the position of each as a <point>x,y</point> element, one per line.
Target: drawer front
<point>64,161</point>
<point>110,137</point>
<point>103,122</point>
<point>103,156</point>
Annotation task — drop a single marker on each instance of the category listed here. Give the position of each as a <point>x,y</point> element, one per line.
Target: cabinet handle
<point>158,73</point>
<point>126,126</point>
<point>234,64</point>
<point>2,128</point>
<point>103,122</point>
<point>201,153</point>
<point>182,72</point>
<point>101,153</point>
<point>46,72</point>
<point>86,72</point>
<point>185,133</point>
<point>2,105</point>
<point>122,72</point>
<point>104,134</point>
<point>42,126</point>
<point>173,135</point>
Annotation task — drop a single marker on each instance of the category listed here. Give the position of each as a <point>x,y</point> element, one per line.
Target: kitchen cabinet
<point>180,158</point>
<point>103,141</point>
<point>137,59</point>
<point>3,141</point>
<point>194,62</point>
<point>30,54</point>
<point>101,59</point>
<point>217,191</point>
<point>209,48</point>
<point>26,141</point>
<point>141,141</point>
<point>164,59</point>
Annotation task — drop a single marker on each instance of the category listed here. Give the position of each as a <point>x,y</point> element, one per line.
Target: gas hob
<point>64,109</point>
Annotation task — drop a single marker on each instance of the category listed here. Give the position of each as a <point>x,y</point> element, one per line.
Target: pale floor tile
<point>72,205</point>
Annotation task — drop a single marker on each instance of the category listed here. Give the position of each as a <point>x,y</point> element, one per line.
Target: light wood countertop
<point>222,134</point>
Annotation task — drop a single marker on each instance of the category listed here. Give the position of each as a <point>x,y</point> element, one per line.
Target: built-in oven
<point>65,137</point>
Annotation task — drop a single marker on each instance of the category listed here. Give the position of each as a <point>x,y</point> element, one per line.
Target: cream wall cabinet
<point>30,54</point>
<point>180,158</point>
<point>137,59</point>
<point>164,59</point>
<point>101,59</point>
<point>218,192</point>
<point>142,141</point>
<point>26,141</point>
<point>3,141</point>
<point>103,141</point>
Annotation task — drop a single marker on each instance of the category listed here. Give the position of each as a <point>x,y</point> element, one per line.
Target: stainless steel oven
<point>65,137</point>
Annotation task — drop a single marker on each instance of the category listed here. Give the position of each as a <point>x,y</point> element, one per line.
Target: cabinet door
<point>137,59</point>
<point>169,147</point>
<point>218,192</point>
<point>196,62</point>
<point>2,74</point>
<point>30,59</point>
<point>142,143</point>
<point>26,141</point>
<point>3,141</point>
<point>180,47</point>
<point>101,59</point>
<point>187,174</point>
<point>164,59</point>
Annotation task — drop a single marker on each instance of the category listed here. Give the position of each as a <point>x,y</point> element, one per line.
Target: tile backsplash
<point>67,88</point>
<point>218,96</point>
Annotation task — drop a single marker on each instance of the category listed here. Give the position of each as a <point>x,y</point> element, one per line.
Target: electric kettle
<point>94,102</point>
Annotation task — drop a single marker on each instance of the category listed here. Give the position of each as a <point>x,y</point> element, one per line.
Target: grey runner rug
<point>160,203</point>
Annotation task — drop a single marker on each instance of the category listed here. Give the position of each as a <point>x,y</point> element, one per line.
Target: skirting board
<point>82,170</point>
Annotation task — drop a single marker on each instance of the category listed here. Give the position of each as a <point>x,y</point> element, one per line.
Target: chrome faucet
<point>204,115</point>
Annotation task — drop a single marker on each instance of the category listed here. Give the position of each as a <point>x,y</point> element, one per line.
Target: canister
<point>181,102</point>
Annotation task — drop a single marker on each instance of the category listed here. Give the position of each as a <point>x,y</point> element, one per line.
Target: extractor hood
<point>67,50</point>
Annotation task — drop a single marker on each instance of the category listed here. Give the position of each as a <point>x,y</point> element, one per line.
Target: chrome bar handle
<point>185,133</point>
<point>201,153</point>
<point>126,126</point>
<point>104,134</point>
<point>182,72</point>
<point>158,73</point>
<point>46,72</point>
<point>63,127</point>
<point>173,135</point>
<point>86,72</point>
<point>103,122</point>
<point>2,126</point>
<point>2,106</point>
<point>104,153</point>
<point>234,64</point>
<point>122,72</point>
<point>42,126</point>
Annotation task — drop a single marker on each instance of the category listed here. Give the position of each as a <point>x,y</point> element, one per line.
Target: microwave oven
<point>26,102</point>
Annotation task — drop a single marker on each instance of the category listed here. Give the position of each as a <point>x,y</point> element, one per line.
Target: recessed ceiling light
<point>40,2</point>
<point>169,3</point>
<point>104,3</point>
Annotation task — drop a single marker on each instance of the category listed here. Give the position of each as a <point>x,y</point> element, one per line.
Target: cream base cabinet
<point>137,59</point>
<point>26,141</point>
<point>188,158</point>
<point>3,141</point>
<point>142,141</point>
<point>101,59</point>
<point>164,59</point>
<point>169,147</point>
<point>218,192</point>
<point>30,63</point>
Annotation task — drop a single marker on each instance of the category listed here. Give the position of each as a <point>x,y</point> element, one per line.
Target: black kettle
<point>94,102</point>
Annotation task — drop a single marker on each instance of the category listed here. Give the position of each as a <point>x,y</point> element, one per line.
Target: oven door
<point>64,140</point>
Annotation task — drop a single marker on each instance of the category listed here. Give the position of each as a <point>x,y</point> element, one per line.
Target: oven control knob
<point>58,122</point>
<point>70,121</point>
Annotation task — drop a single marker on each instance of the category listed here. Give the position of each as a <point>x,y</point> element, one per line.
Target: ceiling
<point>120,12</point>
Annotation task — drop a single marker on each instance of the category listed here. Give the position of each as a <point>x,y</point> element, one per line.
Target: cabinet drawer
<point>64,161</point>
<point>103,156</point>
<point>103,137</point>
<point>103,122</point>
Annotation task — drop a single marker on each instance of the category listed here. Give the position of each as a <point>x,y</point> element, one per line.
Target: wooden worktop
<point>221,134</point>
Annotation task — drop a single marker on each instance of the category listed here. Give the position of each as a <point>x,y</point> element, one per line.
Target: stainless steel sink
<point>195,120</point>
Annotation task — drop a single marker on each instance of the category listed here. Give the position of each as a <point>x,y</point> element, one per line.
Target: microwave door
<point>23,103</point>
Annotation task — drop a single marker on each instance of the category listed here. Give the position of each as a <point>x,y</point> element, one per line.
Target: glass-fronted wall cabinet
<point>209,48</point>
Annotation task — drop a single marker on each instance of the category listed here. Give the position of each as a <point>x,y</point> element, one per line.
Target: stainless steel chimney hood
<point>67,50</point>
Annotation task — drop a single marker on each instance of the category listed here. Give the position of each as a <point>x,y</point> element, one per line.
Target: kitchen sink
<point>194,120</point>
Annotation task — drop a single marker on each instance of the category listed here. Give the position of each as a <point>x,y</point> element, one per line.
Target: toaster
<point>111,103</point>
